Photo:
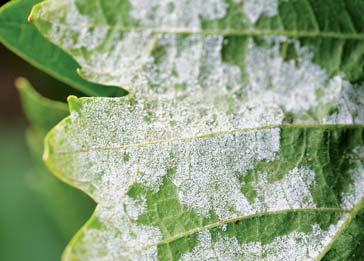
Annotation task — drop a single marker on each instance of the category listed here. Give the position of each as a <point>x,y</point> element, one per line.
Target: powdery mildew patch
<point>356,189</point>
<point>300,88</point>
<point>112,144</point>
<point>292,192</point>
<point>172,66</point>
<point>70,29</point>
<point>120,238</point>
<point>294,246</point>
<point>184,14</point>
<point>256,8</point>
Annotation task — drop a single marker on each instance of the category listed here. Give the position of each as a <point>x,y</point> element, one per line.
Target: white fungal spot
<point>171,66</point>
<point>293,246</point>
<point>356,189</point>
<point>256,8</point>
<point>348,101</point>
<point>206,175</point>
<point>70,29</point>
<point>119,238</point>
<point>292,192</point>
<point>185,14</point>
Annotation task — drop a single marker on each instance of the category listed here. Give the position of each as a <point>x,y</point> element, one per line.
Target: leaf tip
<point>74,103</point>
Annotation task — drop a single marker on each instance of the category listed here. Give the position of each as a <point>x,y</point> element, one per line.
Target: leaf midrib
<point>210,135</point>
<point>239,219</point>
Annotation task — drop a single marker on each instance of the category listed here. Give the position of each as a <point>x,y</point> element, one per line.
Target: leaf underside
<point>241,138</point>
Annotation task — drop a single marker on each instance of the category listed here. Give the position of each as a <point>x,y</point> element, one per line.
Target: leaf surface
<point>130,43</point>
<point>216,194</point>
<point>241,138</point>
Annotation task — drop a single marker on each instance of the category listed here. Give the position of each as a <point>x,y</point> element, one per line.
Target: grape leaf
<point>241,138</point>
<point>120,42</point>
<point>240,194</point>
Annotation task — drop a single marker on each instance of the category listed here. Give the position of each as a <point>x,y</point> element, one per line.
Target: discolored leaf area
<point>241,137</point>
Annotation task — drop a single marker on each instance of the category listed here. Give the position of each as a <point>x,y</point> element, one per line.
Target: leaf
<point>68,207</point>
<point>27,232</point>
<point>247,193</point>
<point>120,42</point>
<point>17,34</point>
<point>241,138</point>
<point>41,112</point>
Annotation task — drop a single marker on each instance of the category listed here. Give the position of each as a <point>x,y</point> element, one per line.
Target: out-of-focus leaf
<point>27,232</point>
<point>67,206</point>
<point>42,113</point>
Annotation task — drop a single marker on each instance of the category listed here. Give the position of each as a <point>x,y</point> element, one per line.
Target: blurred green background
<point>36,217</point>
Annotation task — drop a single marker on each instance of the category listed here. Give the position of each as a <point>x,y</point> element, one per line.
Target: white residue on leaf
<point>275,81</point>
<point>184,14</point>
<point>355,193</point>
<point>207,172</point>
<point>293,246</point>
<point>256,8</point>
<point>207,168</point>
<point>173,66</point>
<point>300,86</point>
<point>119,237</point>
<point>347,101</point>
<point>292,192</point>
<point>70,29</point>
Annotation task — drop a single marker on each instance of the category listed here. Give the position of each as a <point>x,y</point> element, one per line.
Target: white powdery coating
<point>120,66</point>
<point>356,189</point>
<point>207,174</point>
<point>348,99</point>
<point>184,14</point>
<point>300,86</point>
<point>294,246</point>
<point>275,81</point>
<point>292,192</point>
<point>112,123</point>
<point>256,8</point>
<point>69,28</point>
<point>207,168</point>
<point>172,66</point>
<point>216,187</point>
<point>187,64</point>
<point>119,238</point>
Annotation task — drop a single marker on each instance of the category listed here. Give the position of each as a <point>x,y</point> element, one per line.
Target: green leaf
<point>256,193</point>
<point>120,42</point>
<point>17,34</point>
<point>27,232</point>
<point>42,113</point>
<point>241,138</point>
<point>68,207</point>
